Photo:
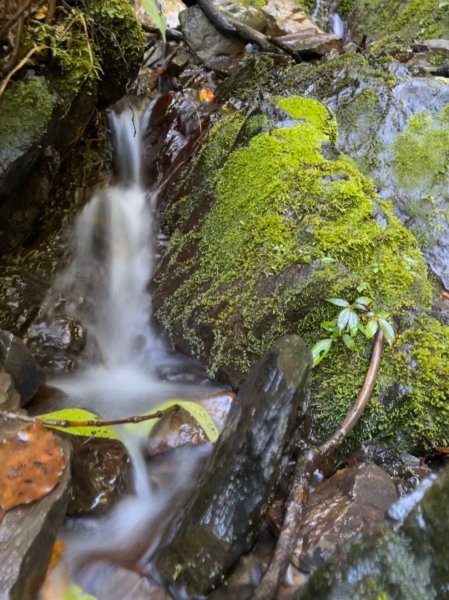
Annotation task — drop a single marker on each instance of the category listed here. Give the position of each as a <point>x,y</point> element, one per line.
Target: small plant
<point>352,320</point>
<point>159,20</point>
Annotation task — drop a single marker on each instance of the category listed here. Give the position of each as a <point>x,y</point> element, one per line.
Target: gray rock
<point>18,361</point>
<point>202,37</point>
<point>242,471</point>
<point>9,398</point>
<point>27,534</point>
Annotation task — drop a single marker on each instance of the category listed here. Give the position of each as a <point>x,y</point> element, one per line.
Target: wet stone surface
<point>18,361</point>
<point>101,473</point>
<point>241,473</point>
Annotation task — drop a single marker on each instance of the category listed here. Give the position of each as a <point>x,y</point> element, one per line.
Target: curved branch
<point>299,488</point>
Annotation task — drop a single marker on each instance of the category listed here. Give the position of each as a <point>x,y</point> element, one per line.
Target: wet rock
<point>175,124</point>
<point>350,502</point>
<point>179,428</point>
<point>9,398</point>
<point>17,360</point>
<point>408,563</point>
<point>27,534</point>
<point>57,343</point>
<point>101,474</point>
<point>202,37</point>
<point>241,473</point>
<point>116,583</point>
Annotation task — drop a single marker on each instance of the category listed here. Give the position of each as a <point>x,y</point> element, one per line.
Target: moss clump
<point>20,127</point>
<point>289,223</point>
<point>421,153</point>
<point>413,19</point>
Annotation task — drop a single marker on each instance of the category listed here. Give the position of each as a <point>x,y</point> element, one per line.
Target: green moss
<point>259,265</point>
<point>36,105</point>
<point>413,19</point>
<point>421,153</point>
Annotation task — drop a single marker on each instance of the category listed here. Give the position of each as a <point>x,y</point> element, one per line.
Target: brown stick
<point>10,23</point>
<point>24,60</point>
<point>16,49</point>
<point>299,489</point>
<point>51,12</point>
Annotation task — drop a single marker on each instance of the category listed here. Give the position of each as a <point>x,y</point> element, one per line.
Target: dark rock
<point>27,534</point>
<point>101,473</point>
<point>117,583</point>
<point>9,398</point>
<point>350,502</point>
<point>241,473</point>
<point>20,364</point>
<point>56,344</point>
<point>406,564</point>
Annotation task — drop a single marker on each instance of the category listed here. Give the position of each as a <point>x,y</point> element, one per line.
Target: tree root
<point>300,484</point>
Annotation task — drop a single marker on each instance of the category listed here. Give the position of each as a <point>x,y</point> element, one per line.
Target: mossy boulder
<point>396,127</point>
<point>84,59</point>
<point>410,19</point>
<point>279,223</point>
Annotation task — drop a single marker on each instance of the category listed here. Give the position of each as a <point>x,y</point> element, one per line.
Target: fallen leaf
<point>79,414</point>
<point>206,95</point>
<point>31,465</point>
<point>41,13</point>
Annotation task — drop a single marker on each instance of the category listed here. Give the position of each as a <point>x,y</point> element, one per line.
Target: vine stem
<point>299,488</point>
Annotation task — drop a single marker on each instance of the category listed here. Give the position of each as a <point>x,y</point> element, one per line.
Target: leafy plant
<point>159,20</point>
<point>352,320</point>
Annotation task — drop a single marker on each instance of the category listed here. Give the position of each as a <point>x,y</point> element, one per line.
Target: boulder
<point>18,361</point>
<point>241,473</point>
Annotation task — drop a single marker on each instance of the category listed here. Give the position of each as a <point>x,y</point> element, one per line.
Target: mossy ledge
<point>283,222</point>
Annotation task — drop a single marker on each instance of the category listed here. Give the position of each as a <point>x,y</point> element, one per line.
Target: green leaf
<point>343,319</point>
<point>371,328</point>
<point>79,414</point>
<point>364,301</point>
<point>327,260</point>
<point>353,320</point>
<point>74,592</point>
<point>152,9</point>
<point>338,302</point>
<point>320,350</point>
<point>328,325</point>
<point>198,412</point>
<point>349,341</point>
<point>387,330</point>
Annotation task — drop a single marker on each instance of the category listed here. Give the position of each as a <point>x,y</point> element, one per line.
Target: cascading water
<point>106,289</point>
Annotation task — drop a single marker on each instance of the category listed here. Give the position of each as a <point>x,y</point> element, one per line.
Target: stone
<point>285,17</point>
<point>350,502</point>
<point>408,563</point>
<point>56,343</point>
<point>203,39</point>
<point>101,474</point>
<point>9,398</point>
<point>27,534</point>
<point>241,473</point>
<point>18,361</point>
<point>311,42</point>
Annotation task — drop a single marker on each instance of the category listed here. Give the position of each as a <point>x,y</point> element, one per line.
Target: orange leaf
<point>206,95</point>
<point>31,464</point>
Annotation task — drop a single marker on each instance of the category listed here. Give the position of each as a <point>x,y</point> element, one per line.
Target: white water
<point>338,25</point>
<point>316,10</point>
<point>106,289</point>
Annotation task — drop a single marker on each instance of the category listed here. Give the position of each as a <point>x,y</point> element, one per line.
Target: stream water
<point>106,289</point>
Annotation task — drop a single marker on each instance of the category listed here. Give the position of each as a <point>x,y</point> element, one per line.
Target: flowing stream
<point>106,289</point>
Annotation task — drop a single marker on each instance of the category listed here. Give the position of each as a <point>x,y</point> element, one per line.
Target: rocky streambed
<point>281,171</point>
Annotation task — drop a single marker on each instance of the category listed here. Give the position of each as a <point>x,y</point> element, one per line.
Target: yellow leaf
<point>79,414</point>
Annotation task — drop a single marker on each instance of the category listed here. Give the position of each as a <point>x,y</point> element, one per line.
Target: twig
<point>20,65</point>
<point>16,49</point>
<point>91,56</point>
<point>299,489</point>
<point>92,423</point>
<point>51,11</point>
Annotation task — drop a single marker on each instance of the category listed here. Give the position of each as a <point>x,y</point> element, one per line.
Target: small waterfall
<point>316,10</point>
<point>338,26</point>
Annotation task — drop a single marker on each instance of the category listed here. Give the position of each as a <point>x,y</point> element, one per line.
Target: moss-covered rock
<point>282,222</point>
<point>89,53</point>
<point>410,20</point>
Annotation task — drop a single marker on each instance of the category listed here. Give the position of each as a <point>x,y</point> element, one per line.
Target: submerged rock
<point>406,564</point>
<point>18,361</point>
<point>240,475</point>
<point>27,534</point>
